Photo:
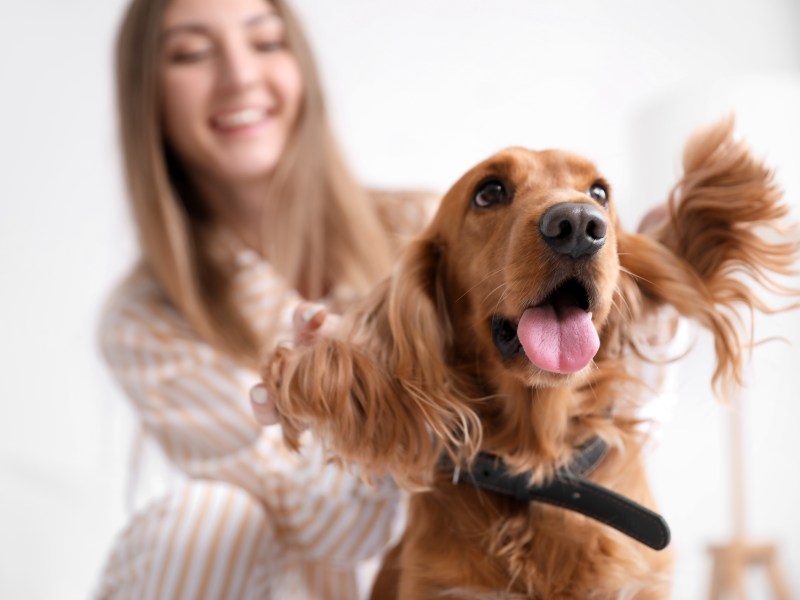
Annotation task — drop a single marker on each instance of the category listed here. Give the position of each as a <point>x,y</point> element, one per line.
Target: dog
<point>493,374</point>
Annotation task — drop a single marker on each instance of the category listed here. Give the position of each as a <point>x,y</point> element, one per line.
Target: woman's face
<point>231,88</point>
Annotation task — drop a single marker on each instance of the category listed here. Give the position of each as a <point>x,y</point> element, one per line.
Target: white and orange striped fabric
<point>243,516</point>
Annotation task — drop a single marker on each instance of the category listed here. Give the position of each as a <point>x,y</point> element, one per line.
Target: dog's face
<point>529,251</point>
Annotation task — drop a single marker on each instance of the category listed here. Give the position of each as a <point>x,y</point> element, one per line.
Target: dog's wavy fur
<point>413,373</point>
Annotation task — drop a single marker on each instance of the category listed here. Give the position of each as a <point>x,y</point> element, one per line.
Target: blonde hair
<point>321,229</point>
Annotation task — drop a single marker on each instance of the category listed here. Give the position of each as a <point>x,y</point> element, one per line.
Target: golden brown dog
<point>509,328</point>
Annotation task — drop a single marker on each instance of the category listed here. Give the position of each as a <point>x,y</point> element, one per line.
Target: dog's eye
<point>599,192</point>
<point>490,193</point>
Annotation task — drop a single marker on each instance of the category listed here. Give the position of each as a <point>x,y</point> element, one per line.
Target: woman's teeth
<point>240,118</point>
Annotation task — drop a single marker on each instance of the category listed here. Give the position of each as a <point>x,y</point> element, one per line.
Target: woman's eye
<point>272,46</point>
<point>599,192</point>
<point>188,57</point>
<point>489,194</point>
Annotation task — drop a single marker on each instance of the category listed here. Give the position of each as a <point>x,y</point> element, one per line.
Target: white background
<point>418,91</point>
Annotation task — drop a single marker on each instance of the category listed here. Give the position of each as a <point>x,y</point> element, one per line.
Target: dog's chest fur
<point>526,550</point>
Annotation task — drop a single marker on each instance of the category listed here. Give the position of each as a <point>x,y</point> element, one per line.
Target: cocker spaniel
<point>493,373</point>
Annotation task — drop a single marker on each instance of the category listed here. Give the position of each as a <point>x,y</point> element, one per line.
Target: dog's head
<point>521,259</point>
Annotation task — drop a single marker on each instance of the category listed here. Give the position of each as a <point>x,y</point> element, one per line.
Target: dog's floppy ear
<point>417,315</point>
<point>380,392</point>
<point>721,247</point>
<point>421,334</point>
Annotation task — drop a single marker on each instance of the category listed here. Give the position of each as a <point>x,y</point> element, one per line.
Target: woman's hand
<point>310,321</point>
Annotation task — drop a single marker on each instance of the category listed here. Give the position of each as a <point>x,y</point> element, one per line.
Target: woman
<point>244,210</point>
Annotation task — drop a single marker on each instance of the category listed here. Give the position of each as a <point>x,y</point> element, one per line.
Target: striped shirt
<point>230,478</point>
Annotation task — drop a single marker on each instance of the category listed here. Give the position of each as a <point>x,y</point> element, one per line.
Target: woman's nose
<point>239,66</point>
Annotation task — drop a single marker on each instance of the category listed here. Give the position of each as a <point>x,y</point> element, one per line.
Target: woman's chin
<point>246,168</point>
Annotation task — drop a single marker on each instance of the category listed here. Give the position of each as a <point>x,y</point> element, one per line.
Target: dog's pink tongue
<point>561,341</point>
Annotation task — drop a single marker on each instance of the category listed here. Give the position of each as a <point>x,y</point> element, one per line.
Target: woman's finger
<point>308,318</point>
<point>263,406</point>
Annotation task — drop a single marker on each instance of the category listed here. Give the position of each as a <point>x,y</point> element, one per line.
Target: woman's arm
<point>193,401</point>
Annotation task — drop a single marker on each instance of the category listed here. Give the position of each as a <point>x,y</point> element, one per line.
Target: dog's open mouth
<point>557,334</point>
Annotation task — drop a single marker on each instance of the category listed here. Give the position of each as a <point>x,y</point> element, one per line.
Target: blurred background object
<point>419,91</point>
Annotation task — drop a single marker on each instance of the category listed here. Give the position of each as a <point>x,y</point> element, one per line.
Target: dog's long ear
<point>421,331</point>
<point>380,393</point>
<point>721,248</point>
<point>419,323</point>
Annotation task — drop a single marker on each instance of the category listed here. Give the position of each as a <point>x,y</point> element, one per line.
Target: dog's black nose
<point>574,228</point>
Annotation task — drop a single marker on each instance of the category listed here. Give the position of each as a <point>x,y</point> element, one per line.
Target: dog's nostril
<point>556,226</point>
<point>576,229</point>
<point>596,229</point>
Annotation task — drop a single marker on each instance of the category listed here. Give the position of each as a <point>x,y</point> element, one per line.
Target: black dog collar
<point>569,490</point>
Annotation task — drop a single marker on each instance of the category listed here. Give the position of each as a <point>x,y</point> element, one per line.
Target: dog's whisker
<point>634,275</point>
<point>624,311</point>
<point>628,311</point>
<point>495,272</point>
<point>505,294</point>
<point>502,297</point>
<point>491,292</point>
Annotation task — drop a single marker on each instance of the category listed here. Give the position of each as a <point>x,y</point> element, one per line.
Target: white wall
<point>63,239</point>
<point>418,91</point>
<point>695,453</point>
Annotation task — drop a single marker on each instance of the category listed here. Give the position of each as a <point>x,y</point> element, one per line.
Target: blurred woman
<point>244,211</point>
